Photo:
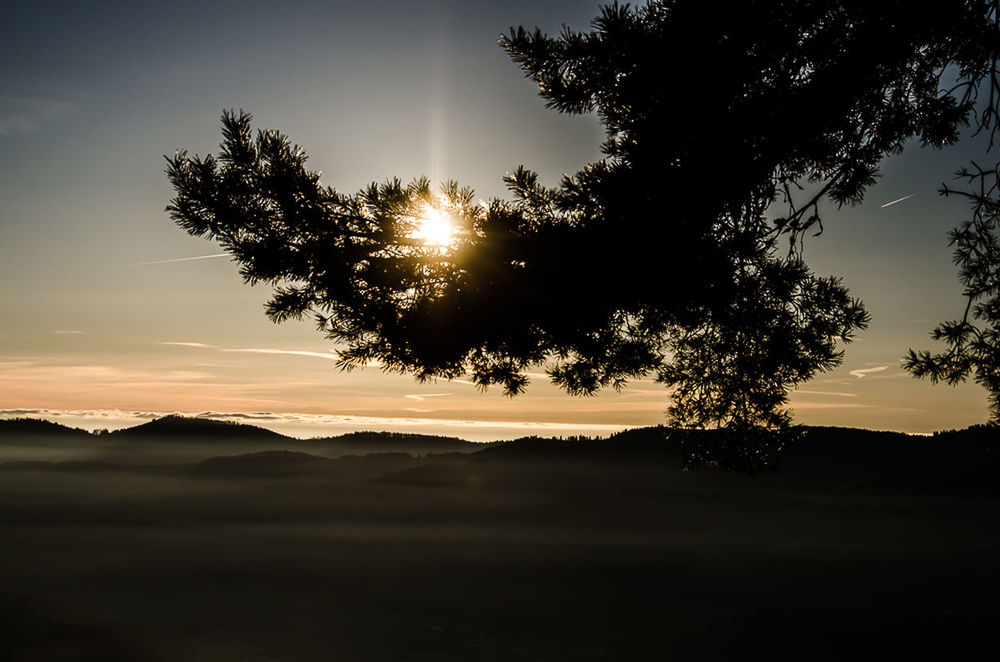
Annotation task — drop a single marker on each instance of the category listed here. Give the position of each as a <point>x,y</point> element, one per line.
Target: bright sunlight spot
<point>434,227</point>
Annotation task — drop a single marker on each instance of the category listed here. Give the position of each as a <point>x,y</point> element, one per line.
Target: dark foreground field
<point>533,551</point>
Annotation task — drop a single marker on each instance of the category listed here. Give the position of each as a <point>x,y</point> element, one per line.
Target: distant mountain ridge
<point>395,442</point>
<point>191,433</point>
<point>819,442</point>
<point>37,427</point>
<point>957,463</point>
<point>189,427</point>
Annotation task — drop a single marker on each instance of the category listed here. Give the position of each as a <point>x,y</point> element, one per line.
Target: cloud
<point>20,115</point>
<point>40,383</point>
<point>862,372</point>
<point>68,332</point>
<point>795,406</point>
<point>254,416</point>
<point>423,396</point>
<point>420,397</point>
<point>329,356</point>
<point>94,414</point>
<point>655,392</point>
<point>838,394</point>
<point>339,419</point>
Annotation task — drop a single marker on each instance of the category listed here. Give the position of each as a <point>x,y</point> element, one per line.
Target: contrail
<point>905,197</point>
<point>290,352</point>
<point>177,259</point>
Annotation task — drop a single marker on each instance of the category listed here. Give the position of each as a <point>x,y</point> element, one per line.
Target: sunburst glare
<point>434,227</point>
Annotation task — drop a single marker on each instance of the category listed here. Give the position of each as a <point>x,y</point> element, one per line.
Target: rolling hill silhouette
<point>179,439</point>
<point>36,427</point>
<point>959,460</point>
<point>187,428</point>
<point>354,443</point>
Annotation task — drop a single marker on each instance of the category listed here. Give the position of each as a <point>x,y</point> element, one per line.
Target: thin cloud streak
<point>424,396</point>
<point>828,405</point>
<point>838,394</point>
<point>67,332</point>
<point>94,414</point>
<point>897,201</point>
<point>861,373</point>
<point>287,352</point>
<point>176,259</point>
<point>329,356</point>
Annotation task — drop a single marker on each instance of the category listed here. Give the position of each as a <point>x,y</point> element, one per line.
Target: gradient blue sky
<point>92,96</point>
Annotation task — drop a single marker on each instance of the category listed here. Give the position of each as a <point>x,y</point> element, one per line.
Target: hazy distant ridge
<point>201,428</point>
<point>12,427</point>
<point>180,439</point>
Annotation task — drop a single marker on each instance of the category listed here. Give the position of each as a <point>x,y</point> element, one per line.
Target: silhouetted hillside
<point>642,444</point>
<point>26,439</point>
<point>174,440</point>
<point>36,427</point>
<point>989,435</point>
<point>182,429</point>
<point>831,446</point>
<point>956,462</point>
<point>185,428</point>
<point>68,466</point>
<point>390,442</point>
<point>823,457</point>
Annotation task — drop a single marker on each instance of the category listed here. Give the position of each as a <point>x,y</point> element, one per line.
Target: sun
<point>434,227</point>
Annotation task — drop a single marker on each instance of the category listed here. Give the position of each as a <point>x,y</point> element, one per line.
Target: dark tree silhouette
<point>973,341</point>
<point>678,254</point>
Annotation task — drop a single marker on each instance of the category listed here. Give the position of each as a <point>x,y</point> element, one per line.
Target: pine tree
<point>973,342</point>
<point>679,254</point>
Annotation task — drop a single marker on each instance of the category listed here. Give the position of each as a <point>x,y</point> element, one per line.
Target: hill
<point>178,439</point>
<point>185,428</point>
<point>354,443</point>
<point>36,427</point>
<point>963,462</point>
<point>636,441</point>
<point>824,455</point>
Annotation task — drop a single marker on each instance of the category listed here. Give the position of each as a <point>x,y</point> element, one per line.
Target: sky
<point>103,323</point>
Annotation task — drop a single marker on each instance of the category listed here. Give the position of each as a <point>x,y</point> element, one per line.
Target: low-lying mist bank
<point>539,549</point>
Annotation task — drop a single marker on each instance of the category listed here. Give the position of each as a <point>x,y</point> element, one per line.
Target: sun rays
<point>434,227</point>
